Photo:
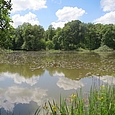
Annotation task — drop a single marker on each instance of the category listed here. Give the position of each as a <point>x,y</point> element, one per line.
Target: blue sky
<point>59,12</point>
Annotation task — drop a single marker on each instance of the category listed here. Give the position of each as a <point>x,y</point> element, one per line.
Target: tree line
<point>72,36</point>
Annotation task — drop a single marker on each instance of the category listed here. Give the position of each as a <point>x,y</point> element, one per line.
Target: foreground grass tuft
<point>100,101</point>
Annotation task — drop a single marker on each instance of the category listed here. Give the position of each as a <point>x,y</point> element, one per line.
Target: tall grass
<point>100,101</point>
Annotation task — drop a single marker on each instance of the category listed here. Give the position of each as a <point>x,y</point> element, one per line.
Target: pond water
<point>29,79</point>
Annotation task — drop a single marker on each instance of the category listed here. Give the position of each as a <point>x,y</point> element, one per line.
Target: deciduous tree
<point>5,8</point>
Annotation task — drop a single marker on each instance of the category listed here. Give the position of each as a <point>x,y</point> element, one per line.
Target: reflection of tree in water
<point>81,65</point>
<point>21,70</point>
<point>73,65</point>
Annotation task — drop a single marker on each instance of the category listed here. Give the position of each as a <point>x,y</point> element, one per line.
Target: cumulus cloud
<point>20,5</point>
<point>15,95</point>
<point>108,18</point>
<point>19,20</point>
<point>108,5</point>
<point>19,79</point>
<point>68,84</point>
<point>67,14</point>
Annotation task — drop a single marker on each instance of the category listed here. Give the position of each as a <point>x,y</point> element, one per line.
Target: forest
<point>73,36</point>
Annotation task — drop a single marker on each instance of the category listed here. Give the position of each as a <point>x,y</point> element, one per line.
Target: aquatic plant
<point>100,101</point>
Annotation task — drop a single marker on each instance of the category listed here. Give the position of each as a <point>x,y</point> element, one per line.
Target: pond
<point>29,79</point>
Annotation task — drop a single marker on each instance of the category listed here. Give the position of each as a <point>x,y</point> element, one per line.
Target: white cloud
<point>68,84</point>
<point>108,5</point>
<point>1,78</point>
<point>108,18</point>
<point>67,14</point>
<point>20,5</point>
<point>15,95</point>
<point>19,20</point>
<point>19,79</point>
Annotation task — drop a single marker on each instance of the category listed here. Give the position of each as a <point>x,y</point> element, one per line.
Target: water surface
<point>29,79</point>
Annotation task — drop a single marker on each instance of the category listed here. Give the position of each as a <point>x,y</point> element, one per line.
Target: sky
<point>59,12</point>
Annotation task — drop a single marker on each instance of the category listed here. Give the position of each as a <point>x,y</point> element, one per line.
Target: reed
<point>100,101</point>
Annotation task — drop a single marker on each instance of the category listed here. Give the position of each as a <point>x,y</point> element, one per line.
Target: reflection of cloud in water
<point>107,79</point>
<point>68,84</point>
<point>1,78</point>
<point>58,74</point>
<point>15,95</point>
<point>19,79</point>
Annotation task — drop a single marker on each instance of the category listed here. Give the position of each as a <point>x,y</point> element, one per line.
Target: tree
<point>108,37</point>
<point>73,35</point>
<point>32,37</point>
<point>49,33</point>
<point>92,39</point>
<point>5,8</point>
<point>19,38</point>
<point>49,45</point>
<point>58,39</point>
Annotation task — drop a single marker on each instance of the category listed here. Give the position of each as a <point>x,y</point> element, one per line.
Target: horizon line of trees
<point>72,36</point>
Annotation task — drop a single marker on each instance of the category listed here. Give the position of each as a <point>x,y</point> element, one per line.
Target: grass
<point>100,101</point>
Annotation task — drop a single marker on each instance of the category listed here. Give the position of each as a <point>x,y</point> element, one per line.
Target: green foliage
<point>108,37</point>
<point>100,101</point>
<point>18,39</point>
<point>73,35</point>
<point>42,44</point>
<point>5,8</point>
<point>49,33</point>
<point>37,111</point>
<point>92,37</point>
<point>29,37</point>
<point>104,48</point>
<point>58,39</point>
<point>32,37</point>
<point>49,45</point>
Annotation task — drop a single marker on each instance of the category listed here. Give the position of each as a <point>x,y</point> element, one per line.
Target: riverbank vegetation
<point>75,35</point>
<point>99,101</point>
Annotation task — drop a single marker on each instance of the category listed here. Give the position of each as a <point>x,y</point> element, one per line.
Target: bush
<point>104,48</point>
<point>49,45</point>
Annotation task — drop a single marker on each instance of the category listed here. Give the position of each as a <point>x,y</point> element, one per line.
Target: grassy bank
<point>99,101</point>
<point>103,49</point>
